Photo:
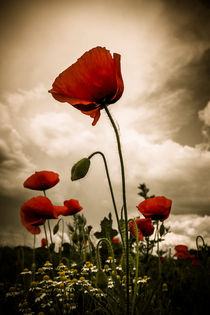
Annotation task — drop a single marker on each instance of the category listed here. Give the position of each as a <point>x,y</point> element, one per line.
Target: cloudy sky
<point>163,115</point>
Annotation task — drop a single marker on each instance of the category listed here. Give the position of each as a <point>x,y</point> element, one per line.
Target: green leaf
<point>162,229</point>
<point>56,228</point>
<point>106,229</point>
<point>80,169</point>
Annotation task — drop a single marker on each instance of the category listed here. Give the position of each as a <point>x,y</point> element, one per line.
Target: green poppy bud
<point>162,229</point>
<point>101,280</point>
<point>80,169</point>
<point>74,237</point>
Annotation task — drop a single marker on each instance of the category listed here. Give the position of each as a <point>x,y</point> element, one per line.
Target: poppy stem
<point>60,249</point>
<point>33,261</point>
<point>137,265</point>
<point>48,222</point>
<point>111,190</point>
<point>158,249</point>
<point>124,202</point>
<point>83,243</point>
<point>45,232</point>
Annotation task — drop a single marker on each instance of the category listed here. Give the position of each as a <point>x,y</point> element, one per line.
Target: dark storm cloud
<point>194,77</point>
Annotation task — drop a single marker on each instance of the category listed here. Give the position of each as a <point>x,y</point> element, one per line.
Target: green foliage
<point>106,229</point>
<point>144,191</point>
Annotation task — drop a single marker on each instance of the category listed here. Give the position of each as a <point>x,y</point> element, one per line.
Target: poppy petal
<point>94,80</point>
<point>42,180</point>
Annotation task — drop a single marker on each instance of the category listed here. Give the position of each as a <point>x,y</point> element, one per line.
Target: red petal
<point>41,180</point>
<point>61,210</point>
<point>94,79</point>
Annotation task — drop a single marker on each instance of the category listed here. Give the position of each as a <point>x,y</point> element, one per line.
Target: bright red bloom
<point>181,248</point>
<point>70,207</point>
<point>182,252</point>
<point>94,80</point>
<point>35,211</point>
<point>43,242</point>
<point>145,227</point>
<point>115,240</point>
<point>157,208</point>
<point>41,180</point>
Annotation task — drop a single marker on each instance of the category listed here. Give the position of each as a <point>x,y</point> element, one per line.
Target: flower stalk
<point>124,202</point>
<point>111,190</point>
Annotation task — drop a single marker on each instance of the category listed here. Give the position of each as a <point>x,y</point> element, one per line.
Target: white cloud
<point>204,114</point>
<point>13,161</point>
<point>184,230</point>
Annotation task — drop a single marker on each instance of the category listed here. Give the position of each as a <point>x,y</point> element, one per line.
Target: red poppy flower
<point>70,207</point>
<point>145,227</point>
<point>181,248</point>
<point>43,242</point>
<point>157,208</point>
<point>115,240</point>
<point>94,80</point>
<point>41,180</point>
<point>35,211</point>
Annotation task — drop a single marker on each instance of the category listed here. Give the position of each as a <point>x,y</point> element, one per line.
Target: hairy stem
<point>124,202</point>
<point>111,190</point>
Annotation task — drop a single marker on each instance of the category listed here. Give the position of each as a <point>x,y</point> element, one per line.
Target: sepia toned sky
<point>163,116</point>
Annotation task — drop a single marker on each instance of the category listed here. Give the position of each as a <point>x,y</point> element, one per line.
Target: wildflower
<point>94,80</point>
<point>42,180</point>
<point>35,211</point>
<point>119,267</point>
<point>26,271</point>
<point>165,287</point>
<point>157,208</point>
<point>46,277</point>
<point>70,207</point>
<point>47,265</point>
<point>82,278</point>
<point>74,280</point>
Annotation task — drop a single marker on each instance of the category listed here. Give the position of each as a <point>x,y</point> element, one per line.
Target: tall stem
<point>111,190</point>
<point>48,222</point>
<point>45,232</point>
<point>61,247</point>
<point>158,249</point>
<point>124,201</point>
<point>33,261</point>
